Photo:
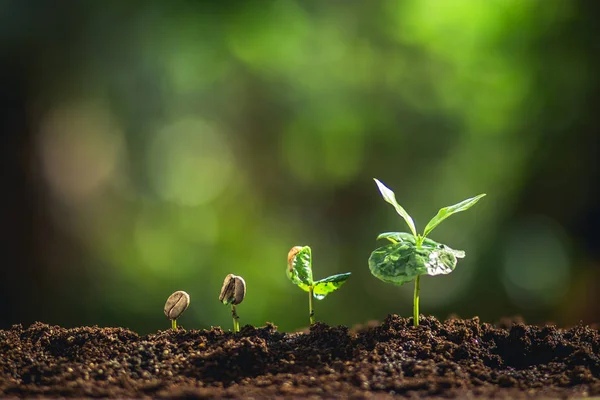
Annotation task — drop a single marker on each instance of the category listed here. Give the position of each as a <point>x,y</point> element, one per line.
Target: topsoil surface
<point>456,358</point>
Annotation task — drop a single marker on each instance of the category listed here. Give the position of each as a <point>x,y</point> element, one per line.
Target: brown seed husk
<point>291,255</point>
<point>176,304</point>
<point>233,290</point>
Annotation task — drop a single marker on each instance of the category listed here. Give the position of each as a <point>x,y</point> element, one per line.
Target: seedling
<point>299,271</point>
<point>411,255</point>
<point>176,304</point>
<point>233,292</point>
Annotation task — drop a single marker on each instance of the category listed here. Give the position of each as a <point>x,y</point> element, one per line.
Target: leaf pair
<point>300,273</point>
<point>444,213</point>
<point>402,260</point>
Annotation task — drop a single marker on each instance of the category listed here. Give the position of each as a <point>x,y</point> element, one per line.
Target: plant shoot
<point>299,270</point>
<point>176,304</point>
<point>233,292</point>
<point>410,255</point>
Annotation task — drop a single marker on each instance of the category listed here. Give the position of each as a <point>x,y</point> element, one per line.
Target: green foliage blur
<point>178,142</point>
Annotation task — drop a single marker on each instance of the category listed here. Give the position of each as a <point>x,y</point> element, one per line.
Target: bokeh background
<point>148,147</point>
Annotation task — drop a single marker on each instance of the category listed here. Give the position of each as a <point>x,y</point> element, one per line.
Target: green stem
<point>311,311</point>
<point>416,302</point>
<point>236,319</point>
<point>174,324</point>
<point>419,240</point>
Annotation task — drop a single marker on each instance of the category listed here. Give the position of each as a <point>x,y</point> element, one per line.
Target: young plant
<point>176,304</point>
<point>299,271</point>
<point>411,255</point>
<point>233,292</point>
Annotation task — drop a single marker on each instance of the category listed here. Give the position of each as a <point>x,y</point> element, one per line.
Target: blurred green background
<point>155,146</point>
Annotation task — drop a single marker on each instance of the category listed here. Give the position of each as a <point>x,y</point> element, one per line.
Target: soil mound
<point>455,358</point>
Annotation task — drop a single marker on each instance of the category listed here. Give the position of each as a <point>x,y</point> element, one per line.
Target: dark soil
<point>456,358</point>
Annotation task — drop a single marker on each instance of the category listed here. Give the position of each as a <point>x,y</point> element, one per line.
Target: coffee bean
<point>176,304</point>
<point>233,290</point>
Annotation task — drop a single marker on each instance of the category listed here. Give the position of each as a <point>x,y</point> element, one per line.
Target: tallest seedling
<point>411,255</point>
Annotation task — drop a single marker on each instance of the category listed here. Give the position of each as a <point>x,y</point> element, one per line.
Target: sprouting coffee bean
<point>176,304</point>
<point>233,290</point>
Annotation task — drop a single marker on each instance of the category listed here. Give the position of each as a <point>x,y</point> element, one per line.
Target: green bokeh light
<point>230,135</point>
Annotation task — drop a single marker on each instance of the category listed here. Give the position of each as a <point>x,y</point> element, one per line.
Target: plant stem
<point>416,302</point>
<point>174,324</point>
<point>311,311</point>
<point>236,319</point>
<point>419,240</point>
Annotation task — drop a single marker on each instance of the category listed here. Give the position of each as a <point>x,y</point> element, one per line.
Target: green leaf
<point>390,197</point>
<point>327,285</point>
<point>396,237</point>
<point>448,211</point>
<point>402,262</point>
<point>300,269</point>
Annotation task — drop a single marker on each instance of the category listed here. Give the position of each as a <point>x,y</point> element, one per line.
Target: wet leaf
<point>300,267</point>
<point>330,284</point>
<point>448,211</point>
<point>402,262</point>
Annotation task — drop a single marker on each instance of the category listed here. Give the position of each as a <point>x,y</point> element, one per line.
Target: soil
<point>455,358</point>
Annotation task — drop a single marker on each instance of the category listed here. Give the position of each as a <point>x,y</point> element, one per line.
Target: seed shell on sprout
<point>291,256</point>
<point>233,290</point>
<point>176,304</point>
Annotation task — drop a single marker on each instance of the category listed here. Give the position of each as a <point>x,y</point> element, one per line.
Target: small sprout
<point>176,304</point>
<point>299,270</point>
<point>233,292</point>
<point>411,255</point>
